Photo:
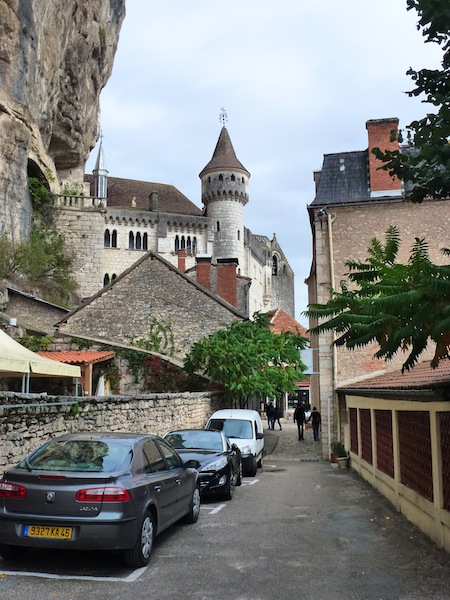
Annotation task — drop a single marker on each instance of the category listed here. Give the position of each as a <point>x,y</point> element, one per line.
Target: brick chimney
<point>227,279</point>
<point>379,133</point>
<point>182,259</point>
<point>203,270</point>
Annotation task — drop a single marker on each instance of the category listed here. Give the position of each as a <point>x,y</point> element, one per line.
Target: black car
<point>218,461</point>
<point>96,491</point>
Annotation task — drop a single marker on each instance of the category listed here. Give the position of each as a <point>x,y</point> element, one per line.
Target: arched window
<point>275,265</point>
<point>188,244</point>
<point>114,239</point>
<point>177,243</point>
<point>131,241</point>
<point>221,177</point>
<point>105,280</point>
<point>194,245</point>
<point>113,276</point>
<point>138,241</point>
<point>107,239</point>
<point>145,241</point>
<point>183,242</point>
<point>233,178</point>
<point>238,234</point>
<point>218,226</point>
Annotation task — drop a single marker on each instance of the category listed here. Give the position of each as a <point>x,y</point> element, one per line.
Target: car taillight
<point>10,490</point>
<point>103,494</point>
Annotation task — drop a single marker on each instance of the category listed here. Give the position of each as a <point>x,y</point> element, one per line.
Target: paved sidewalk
<point>285,445</point>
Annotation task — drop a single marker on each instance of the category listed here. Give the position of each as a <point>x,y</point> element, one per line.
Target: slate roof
<point>421,377</point>
<point>121,193</point>
<point>224,156</point>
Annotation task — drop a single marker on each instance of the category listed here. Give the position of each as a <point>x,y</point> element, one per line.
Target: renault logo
<point>50,497</point>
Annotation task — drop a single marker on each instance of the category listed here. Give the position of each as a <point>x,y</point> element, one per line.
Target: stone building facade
<point>354,203</point>
<point>109,223</point>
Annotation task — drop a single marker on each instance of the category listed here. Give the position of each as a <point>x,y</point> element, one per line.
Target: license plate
<point>48,531</point>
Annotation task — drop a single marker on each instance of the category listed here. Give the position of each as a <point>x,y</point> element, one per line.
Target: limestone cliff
<point>55,58</point>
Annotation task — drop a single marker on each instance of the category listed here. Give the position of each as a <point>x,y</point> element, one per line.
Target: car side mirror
<point>191,464</point>
<point>260,436</point>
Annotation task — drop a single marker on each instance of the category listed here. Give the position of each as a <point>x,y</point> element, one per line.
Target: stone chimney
<point>182,259</point>
<point>154,201</point>
<point>227,279</point>
<point>379,133</point>
<point>203,270</point>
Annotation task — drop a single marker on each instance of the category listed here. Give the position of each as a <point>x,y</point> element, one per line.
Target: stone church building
<point>109,223</point>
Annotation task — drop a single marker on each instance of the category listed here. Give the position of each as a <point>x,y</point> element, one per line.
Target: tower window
<point>177,243</point>
<point>131,241</point>
<point>183,242</point>
<point>239,234</point>
<point>114,239</point>
<point>107,239</point>
<point>138,241</point>
<point>145,241</point>
<point>194,244</point>
<point>221,177</point>
<point>218,226</point>
<point>274,265</point>
<point>233,178</point>
<point>188,244</point>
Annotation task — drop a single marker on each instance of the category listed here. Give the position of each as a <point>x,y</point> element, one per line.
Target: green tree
<point>249,360</point>
<point>426,161</point>
<point>401,307</point>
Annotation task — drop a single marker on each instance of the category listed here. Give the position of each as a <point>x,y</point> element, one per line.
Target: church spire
<point>224,156</point>
<point>100,173</point>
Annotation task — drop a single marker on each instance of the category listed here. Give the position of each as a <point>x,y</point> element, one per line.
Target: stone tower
<point>224,195</point>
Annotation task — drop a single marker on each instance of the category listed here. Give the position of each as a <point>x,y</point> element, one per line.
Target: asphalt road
<point>299,529</point>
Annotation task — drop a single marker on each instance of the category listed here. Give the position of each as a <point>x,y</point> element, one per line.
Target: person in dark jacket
<point>316,421</point>
<point>299,418</point>
<point>277,415</point>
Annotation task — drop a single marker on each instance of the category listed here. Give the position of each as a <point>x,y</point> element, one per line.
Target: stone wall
<point>26,421</point>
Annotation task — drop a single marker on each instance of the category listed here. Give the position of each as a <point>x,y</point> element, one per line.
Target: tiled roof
<point>422,376</point>
<point>224,156</point>
<point>126,193</point>
<point>79,356</point>
<point>281,321</point>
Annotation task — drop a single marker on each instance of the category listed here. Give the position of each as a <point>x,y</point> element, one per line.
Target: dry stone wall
<point>26,421</point>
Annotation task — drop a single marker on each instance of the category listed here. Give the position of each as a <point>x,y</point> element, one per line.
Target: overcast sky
<point>297,79</point>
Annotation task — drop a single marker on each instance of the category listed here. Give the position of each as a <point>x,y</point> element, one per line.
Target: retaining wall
<point>28,420</point>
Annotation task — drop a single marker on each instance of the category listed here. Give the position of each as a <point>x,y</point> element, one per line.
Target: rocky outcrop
<point>55,58</point>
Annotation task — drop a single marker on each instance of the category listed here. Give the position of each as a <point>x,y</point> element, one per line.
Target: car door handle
<point>178,481</point>
<point>157,488</point>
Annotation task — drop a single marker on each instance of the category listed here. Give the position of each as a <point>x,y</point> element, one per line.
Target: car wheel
<point>194,511</point>
<point>239,477</point>
<point>139,555</point>
<point>12,552</point>
<point>228,495</point>
<point>253,468</point>
<point>259,463</point>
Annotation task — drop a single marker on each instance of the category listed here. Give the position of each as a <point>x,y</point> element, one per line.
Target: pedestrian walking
<point>270,415</point>
<point>299,418</point>
<point>316,421</point>
<point>277,416</point>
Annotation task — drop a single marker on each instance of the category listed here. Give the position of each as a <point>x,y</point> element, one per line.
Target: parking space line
<point>130,578</point>
<point>213,510</point>
<point>252,482</point>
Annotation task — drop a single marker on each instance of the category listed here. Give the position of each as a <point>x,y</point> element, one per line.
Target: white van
<point>244,428</point>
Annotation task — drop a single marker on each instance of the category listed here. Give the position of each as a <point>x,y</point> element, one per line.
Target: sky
<point>297,80</point>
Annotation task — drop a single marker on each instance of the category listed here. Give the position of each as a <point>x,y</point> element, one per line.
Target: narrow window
<point>274,265</point>
<point>138,241</point>
<point>177,243</point>
<point>183,242</point>
<point>131,241</point>
<point>107,239</point>
<point>221,177</point>
<point>218,226</point>
<point>105,280</point>
<point>114,239</point>
<point>145,241</point>
<point>239,234</point>
<point>188,244</point>
<point>194,244</point>
<point>113,276</point>
<point>233,178</point>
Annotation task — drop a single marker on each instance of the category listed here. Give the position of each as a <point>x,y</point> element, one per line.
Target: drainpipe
<point>330,221</point>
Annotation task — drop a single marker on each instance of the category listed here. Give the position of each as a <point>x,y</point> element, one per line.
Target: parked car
<point>244,428</point>
<point>218,461</point>
<point>96,491</point>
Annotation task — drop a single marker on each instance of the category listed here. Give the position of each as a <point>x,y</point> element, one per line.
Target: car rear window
<point>233,428</point>
<point>79,455</point>
<point>199,440</point>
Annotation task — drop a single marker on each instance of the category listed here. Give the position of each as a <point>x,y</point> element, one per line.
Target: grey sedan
<point>96,491</point>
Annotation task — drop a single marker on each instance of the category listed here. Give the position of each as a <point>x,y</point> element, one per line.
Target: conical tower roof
<point>100,163</point>
<point>224,156</point>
